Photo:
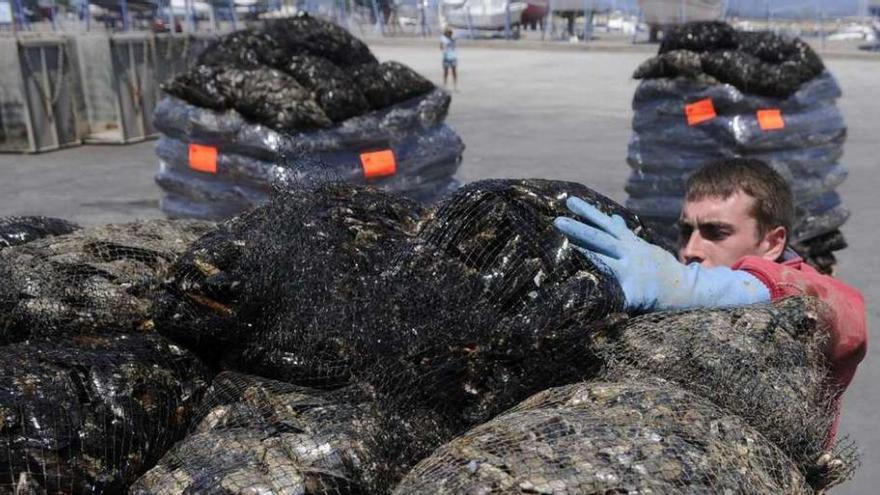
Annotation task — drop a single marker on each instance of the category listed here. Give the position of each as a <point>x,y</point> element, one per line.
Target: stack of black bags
<point>343,339</point>
<point>92,396</point>
<point>715,92</point>
<point>372,345</point>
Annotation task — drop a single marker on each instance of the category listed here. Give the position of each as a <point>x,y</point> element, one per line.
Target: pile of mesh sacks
<point>715,92</point>
<point>300,97</point>
<point>344,339</point>
<point>92,396</point>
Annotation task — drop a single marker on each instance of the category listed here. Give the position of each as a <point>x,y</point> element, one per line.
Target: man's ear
<point>773,243</point>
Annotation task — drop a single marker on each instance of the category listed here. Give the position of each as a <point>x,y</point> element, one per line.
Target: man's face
<point>719,232</point>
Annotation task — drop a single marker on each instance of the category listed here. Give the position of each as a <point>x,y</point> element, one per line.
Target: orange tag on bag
<point>699,111</point>
<point>770,119</point>
<point>203,158</point>
<point>378,163</point>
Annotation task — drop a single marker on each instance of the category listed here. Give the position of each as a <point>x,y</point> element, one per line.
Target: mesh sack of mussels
<point>614,436</point>
<point>444,317</point>
<point>299,87</point>
<point>714,92</point>
<point>92,398</point>
<point>746,408</point>
<point>381,330</point>
<point>764,363</point>
<point>96,278</point>
<point>90,413</point>
<point>256,435</point>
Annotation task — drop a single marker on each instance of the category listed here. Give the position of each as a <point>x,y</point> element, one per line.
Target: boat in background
<point>666,12</point>
<point>579,6</point>
<point>854,32</point>
<point>661,14</point>
<point>485,14</point>
<point>535,11</point>
<point>452,4</point>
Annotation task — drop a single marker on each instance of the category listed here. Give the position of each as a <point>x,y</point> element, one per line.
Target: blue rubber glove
<point>651,278</point>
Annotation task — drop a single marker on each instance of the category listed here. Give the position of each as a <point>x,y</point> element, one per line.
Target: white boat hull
<point>571,5</point>
<point>675,11</point>
<point>484,14</point>
<point>453,4</point>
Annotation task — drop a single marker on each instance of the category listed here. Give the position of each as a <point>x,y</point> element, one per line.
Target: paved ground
<point>522,113</point>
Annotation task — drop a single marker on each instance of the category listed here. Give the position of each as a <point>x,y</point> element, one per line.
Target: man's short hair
<point>773,206</point>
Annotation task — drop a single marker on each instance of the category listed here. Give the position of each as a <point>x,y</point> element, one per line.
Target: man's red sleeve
<point>846,318</point>
<point>847,326</point>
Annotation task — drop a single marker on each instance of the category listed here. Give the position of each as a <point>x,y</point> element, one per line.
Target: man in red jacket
<point>734,232</point>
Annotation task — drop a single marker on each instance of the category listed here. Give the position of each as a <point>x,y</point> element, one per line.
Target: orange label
<point>203,158</point>
<point>378,163</point>
<point>770,119</point>
<point>699,111</point>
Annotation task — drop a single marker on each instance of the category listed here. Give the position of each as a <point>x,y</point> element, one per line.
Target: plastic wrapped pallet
<point>426,157</point>
<point>426,152</point>
<point>300,99</point>
<point>691,108</point>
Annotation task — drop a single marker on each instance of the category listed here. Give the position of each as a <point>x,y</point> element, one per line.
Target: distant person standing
<point>450,57</point>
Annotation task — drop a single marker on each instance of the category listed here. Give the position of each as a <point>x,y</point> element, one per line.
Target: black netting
<point>92,279</point>
<point>773,48</point>
<point>390,82</point>
<point>329,299</point>
<point>249,48</point>
<point>699,37</point>
<point>503,230</point>
<point>262,94</point>
<point>357,332</point>
<point>763,363</point>
<point>336,273</point>
<point>253,435</point>
<point>645,436</point>
<point>89,414</point>
<point>201,85</point>
<point>296,74</point>
<point>674,63</point>
<point>311,241</point>
<point>761,63</point>
<point>21,230</point>
<point>274,98</point>
<point>750,74</point>
<point>509,304</point>
<point>336,91</point>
